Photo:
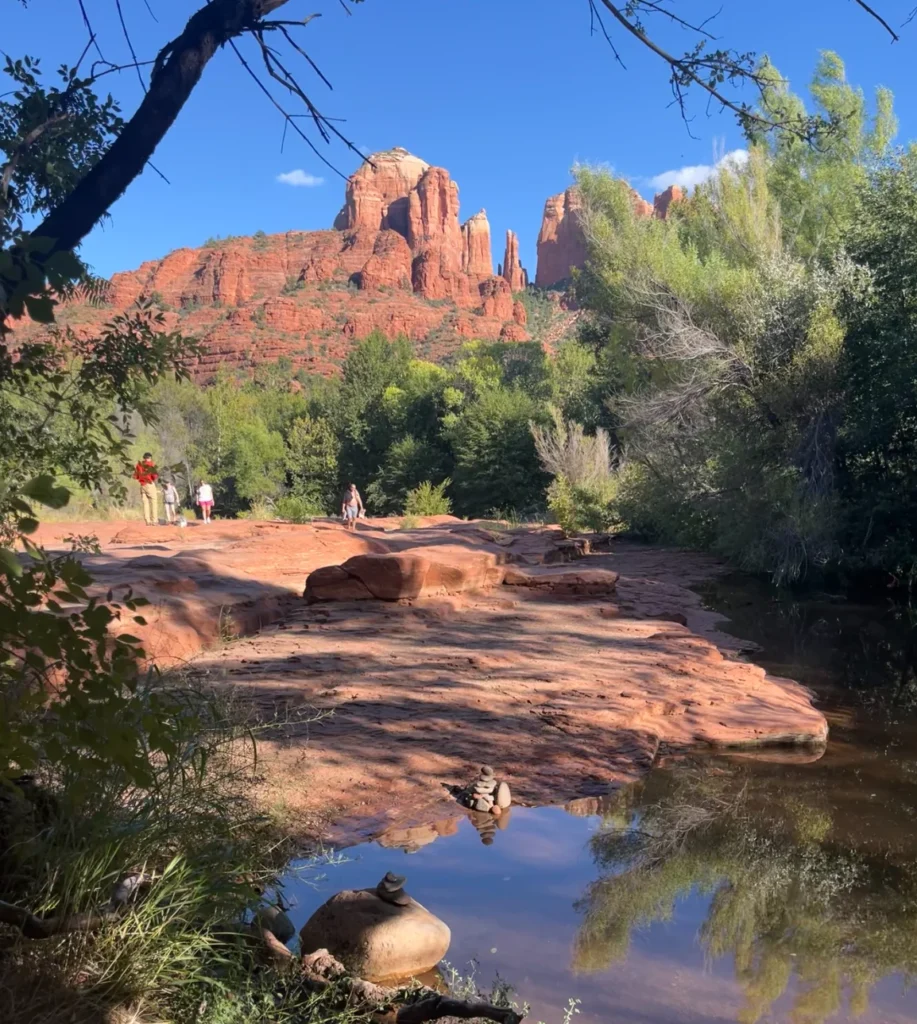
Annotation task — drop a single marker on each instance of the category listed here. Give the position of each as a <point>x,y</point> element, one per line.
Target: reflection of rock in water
<point>589,806</point>
<point>487,824</point>
<point>417,836</point>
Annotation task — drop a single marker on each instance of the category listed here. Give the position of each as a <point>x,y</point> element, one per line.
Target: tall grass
<point>207,856</point>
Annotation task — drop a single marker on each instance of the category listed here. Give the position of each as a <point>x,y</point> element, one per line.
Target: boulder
<point>435,571</point>
<point>375,939</point>
<point>332,583</point>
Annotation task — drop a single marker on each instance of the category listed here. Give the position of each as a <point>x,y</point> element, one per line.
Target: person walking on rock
<point>145,474</point>
<point>351,506</point>
<point>171,501</point>
<point>205,499</point>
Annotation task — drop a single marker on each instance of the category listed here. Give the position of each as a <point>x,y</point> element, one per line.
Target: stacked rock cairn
<point>486,794</point>
<point>391,889</point>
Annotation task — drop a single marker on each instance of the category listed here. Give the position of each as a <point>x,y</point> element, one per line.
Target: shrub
<point>577,507</point>
<point>428,499</point>
<point>296,508</point>
<point>260,509</point>
<point>188,831</point>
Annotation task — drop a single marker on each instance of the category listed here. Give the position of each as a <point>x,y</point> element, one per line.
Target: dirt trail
<point>567,696</point>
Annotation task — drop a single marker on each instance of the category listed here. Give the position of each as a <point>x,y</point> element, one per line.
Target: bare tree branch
<point>875,14</point>
<point>176,71</point>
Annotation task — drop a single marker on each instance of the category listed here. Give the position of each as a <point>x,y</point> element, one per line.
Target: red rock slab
<point>572,582</point>
<point>435,571</point>
<point>564,699</point>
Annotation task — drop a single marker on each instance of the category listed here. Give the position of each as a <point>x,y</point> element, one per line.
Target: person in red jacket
<point>145,474</point>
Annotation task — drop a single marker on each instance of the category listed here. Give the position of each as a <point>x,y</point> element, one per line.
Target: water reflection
<point>776,888</point>
<point>788,894</point>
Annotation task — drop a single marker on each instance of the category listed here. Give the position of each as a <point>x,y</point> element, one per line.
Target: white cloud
<point>689,177</point>
<point>300,178</point>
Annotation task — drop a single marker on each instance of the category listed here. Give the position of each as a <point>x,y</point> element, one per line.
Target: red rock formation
<point>513,332</point>
<point>663,200</point>
<point>642,208</point>
<point>377,194</point>
<point>513,271</point>
<point>397,238</point>
<point>389,265</point>
<point>496,298</point>
<point>476,255</point>
<point>561,241</point>
<point>519,314</point>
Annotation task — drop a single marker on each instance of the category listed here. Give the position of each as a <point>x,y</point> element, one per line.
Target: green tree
<point>311,458</point>
<point>879,369</point>
<point>371,367</point>
<point>256,461</point>
<point>496,465</point>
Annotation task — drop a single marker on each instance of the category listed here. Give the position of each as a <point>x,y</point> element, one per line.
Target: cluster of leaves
<point>745,332</point>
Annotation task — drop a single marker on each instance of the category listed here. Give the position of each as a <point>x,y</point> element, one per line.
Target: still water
<point>718,889</point>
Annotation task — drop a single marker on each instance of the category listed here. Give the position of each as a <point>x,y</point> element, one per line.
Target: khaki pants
<point>149,497</point>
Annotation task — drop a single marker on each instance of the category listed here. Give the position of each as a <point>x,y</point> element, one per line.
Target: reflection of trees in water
<point>868,650</point>
<point>785,898</point>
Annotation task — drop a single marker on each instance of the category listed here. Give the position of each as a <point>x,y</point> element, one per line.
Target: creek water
<point>718,889</point>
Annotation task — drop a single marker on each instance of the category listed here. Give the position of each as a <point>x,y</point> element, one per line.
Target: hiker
<point>351,506</point>
<point>145,474</point>
<point>205,499</point>
<point>171,501</point>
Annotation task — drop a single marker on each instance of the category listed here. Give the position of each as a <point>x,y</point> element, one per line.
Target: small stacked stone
<point>486,794</point>
<point>391,889</point>
<point>483,789</point>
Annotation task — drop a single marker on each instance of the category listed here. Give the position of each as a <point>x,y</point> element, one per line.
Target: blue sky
<point>506,94</point>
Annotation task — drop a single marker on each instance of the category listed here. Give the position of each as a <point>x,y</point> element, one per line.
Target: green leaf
<point>40,308</point>
<point>27,524</point>
<point>9,563</point>
<point>42,488</point>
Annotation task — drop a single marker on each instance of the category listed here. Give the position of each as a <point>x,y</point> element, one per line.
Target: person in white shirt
<point>205,500</point>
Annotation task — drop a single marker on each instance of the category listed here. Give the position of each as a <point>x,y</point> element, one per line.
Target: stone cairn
<point>391,890</point>
<point>486,795</point>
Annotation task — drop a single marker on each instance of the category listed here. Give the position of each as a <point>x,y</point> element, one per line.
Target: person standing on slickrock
<point>145,474</point>
<point>205,499</point>
<point>351,506</point>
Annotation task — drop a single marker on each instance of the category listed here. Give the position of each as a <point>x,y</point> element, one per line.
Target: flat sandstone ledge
<point>433,659</point>
<point>459,644</point>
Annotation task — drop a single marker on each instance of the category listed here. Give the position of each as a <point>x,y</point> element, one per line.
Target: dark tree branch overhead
<point>176,71</point>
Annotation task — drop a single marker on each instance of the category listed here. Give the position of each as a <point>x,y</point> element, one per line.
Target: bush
<point>428,499</point>
<point>294,508</point>
<point>578,508</point>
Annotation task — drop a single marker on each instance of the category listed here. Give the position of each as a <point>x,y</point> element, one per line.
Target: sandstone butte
<point>398,259</point>
<point>562,239</point>
<point>570,665</point>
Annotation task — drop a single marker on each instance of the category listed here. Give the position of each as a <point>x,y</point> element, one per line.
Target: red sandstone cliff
<point>397,260</point>
<point>562,240</point>
<point>663,200</point>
